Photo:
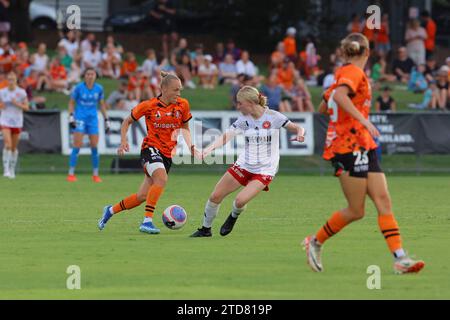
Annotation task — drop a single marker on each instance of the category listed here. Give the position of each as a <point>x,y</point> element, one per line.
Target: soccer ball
<point>174,217</point>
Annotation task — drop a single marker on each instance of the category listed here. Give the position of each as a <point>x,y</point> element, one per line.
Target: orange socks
<point>389,228</point>
<point>331,227</point>
<point>127,204</point>
<point>152,198</point>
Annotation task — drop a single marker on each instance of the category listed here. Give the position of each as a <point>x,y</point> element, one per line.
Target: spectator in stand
<point>277,57</point>
<point>228,71</point>
<point>441,93</point>
<point>233,50</point>
<point>415,37</point>
<point>208,73</point>
<point>92,58</point>
<point>3,81</point>
<point>181,50</point>
<point>116,99</point>
<point>418,82</point>
<point>243,80</point>
<point>63,57</point>
<point>385,102</point>
<point>36,102</point>
<point>86,44</point>
<point>427,97</point>
<point>184,71</point>
<point>5,24</point>
<point>164,13</point>
<point>431,68</point>
<point>40,60</point>
<point>169,64</point>
<point>286,74</point>
<point>402,66</point>
<point>329,78</point>
<point>70,43</point>
<point>431,29</point>
<point>197,57</point>
<point>219,54</point>
<point>74,75</point>
<point>130,102</point>
<point>110,65</point>
<point>382,42</point>
<point>355,25</point>
<point>110,41</point>
<point>301,97</point>
<point>275,95</point>
<point>290,44</point>
<point>23,66</point>
<point>337,58</point>
<point>140,85</point>
<point>58,77</point>
<point>150,67</point>
<point>311,57</point>
<point>8,59</point>
<point>129,66</point>
<point>245,66</point>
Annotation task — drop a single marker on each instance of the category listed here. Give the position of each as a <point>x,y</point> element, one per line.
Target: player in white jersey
<point>256,165</point>
<point>13,102</point>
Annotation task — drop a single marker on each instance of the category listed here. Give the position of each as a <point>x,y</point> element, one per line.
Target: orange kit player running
<point>164,117</point>
<point>351,149</point>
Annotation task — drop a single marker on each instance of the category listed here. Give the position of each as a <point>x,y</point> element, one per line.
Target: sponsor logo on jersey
<point>267,125</point>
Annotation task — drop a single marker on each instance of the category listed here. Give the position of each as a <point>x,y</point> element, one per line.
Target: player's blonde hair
<point>252,94</point>
<point>354,45</point>
<point>167,77</point>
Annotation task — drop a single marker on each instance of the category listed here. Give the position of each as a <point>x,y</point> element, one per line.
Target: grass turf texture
<point>47,224</point>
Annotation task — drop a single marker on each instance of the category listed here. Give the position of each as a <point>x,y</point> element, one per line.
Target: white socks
<point>6,161</point>
<point>147,219</point>
<point>9,161</point>
<point>237,211</point>
<point>211,210</point>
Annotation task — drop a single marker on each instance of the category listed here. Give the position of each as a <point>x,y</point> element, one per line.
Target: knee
<point>141,196</point>
<point>216,197</point>
<point>239,202</point>
<point>160,180</point>
<point>383,200</point>
<point>356,213</point>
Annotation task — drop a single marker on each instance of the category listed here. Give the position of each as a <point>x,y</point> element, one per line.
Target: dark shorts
<point>357,164</point>
<point>152,155</point>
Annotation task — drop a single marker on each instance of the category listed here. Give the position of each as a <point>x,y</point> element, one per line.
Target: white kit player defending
<point>256,165</point>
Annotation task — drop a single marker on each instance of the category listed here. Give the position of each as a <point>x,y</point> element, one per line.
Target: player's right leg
<point>15,135</point>
<point>7,153</point>
<point>128,203</point>
<point>355,190</point>
<point>77,144</point>
<point>226,185</point>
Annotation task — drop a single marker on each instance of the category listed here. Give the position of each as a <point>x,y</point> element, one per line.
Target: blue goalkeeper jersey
<point>87,100</point>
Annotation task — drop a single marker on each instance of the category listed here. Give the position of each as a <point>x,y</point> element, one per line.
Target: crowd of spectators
<point>292,67</point>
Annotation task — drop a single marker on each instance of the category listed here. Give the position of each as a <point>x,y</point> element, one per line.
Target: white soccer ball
<point>174,217</point>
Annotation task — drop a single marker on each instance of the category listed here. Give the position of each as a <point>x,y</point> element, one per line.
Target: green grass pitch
<point>47,225</point>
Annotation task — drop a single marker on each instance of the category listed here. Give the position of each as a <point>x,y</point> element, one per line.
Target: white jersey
<point>12,116</point>
<point>262,141</point>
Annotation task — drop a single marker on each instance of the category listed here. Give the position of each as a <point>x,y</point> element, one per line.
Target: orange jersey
<point>290,46</point>
<point>162,121</point>
<point>346,134</point>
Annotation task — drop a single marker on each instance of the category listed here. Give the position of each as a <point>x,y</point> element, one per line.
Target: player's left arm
<point>298,130</point>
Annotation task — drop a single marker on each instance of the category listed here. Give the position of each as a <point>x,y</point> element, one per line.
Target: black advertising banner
<point>40,133</point>
<point>401,133</point>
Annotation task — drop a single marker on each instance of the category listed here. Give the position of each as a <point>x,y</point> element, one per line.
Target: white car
<point>42,16</point>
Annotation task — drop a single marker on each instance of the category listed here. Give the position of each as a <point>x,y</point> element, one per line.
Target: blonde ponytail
<point>253,95</point>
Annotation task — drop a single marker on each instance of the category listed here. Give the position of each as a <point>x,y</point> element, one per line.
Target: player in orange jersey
<point>351,149</point>
<point>164,117</point>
